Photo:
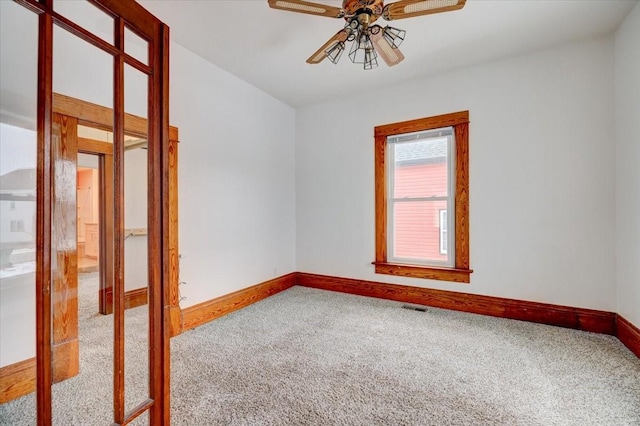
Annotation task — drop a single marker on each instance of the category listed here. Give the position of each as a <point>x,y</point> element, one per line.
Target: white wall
<point>542,190</point>
<point>236,180</point>
<point>627,107</point>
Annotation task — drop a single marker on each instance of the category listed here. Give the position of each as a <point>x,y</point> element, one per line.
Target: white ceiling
<point>268,48</point>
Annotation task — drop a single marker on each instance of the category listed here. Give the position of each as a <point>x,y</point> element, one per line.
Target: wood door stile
<point>175,314</point>
<point>119,413</point>
<point>44,375</point>
<point>159,228</point>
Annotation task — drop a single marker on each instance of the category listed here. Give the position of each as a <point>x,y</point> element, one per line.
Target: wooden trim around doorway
<point>93,115</point>
<point>97,116</point>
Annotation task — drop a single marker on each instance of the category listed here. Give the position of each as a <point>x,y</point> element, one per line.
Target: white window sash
<point>390,173</point>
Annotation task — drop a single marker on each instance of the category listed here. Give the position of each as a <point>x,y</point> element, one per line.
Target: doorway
<point>94,172</point>
<point>88,212</point>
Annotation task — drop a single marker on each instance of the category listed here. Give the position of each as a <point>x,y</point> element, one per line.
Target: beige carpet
<point>312,357</point>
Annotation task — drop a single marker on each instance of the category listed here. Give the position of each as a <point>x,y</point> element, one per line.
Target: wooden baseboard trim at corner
<point>199,314</point>
<point>562,316</point>
<point>17,380</point>
<point>628,334</point>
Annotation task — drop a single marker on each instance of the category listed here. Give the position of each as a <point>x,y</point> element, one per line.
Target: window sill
<point>428,272</point>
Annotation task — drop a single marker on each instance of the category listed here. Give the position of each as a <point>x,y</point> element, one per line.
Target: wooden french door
<point>55,254</point>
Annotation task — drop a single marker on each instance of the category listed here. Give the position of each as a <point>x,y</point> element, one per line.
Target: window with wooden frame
<point>422,198</point>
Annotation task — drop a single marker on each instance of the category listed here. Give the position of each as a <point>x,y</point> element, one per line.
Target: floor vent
<point>415,308</point>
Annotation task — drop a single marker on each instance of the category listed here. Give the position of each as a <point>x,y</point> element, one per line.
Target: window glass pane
<point>82,333</point>
<point>136,264</point>
<point>420,167</point>
<point>136,46</point>
<point>87,16</point>
<point>417,230</point>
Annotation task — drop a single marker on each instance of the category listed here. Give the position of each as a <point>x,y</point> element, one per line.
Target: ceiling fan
<point>369,40</point>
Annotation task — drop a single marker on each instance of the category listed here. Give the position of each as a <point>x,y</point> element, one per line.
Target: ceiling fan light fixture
<point>368,39</point>
<point>394,36</point>
<point>335,52</point>
<point>362,50</point>
<point>370,59</point>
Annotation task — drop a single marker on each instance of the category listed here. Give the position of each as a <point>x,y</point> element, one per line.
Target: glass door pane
<point>136,264</point>
<point>18,212</point>
<point>82,338</point>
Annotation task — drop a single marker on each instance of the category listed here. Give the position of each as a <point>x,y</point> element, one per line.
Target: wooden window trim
<point>460,272</point>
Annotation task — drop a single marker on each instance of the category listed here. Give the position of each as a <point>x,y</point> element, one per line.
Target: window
<point>17,226</point>
<point>12,205</point>
<point>422,198</point>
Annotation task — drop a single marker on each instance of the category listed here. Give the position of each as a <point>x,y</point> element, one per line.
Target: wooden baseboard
<point>628,334</point>
<point>563,316</point>
<point>19,379</point>
<point>136,297</point>
<point>132,299</point>
<point>199,314</point>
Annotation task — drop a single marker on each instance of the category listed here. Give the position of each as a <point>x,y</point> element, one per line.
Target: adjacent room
<point>362,212</point>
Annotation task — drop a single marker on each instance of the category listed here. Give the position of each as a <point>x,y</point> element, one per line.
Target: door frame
<point>100,117</point>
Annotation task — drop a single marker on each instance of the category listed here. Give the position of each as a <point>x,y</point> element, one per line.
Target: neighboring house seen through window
<point>17,226</point>
<point>422,197</point>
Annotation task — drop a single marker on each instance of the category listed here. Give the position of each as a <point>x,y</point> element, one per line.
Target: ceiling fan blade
<point>409,8</point>
<point>316,58</point>
<point>311,8</point>
<point>390,55</point>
